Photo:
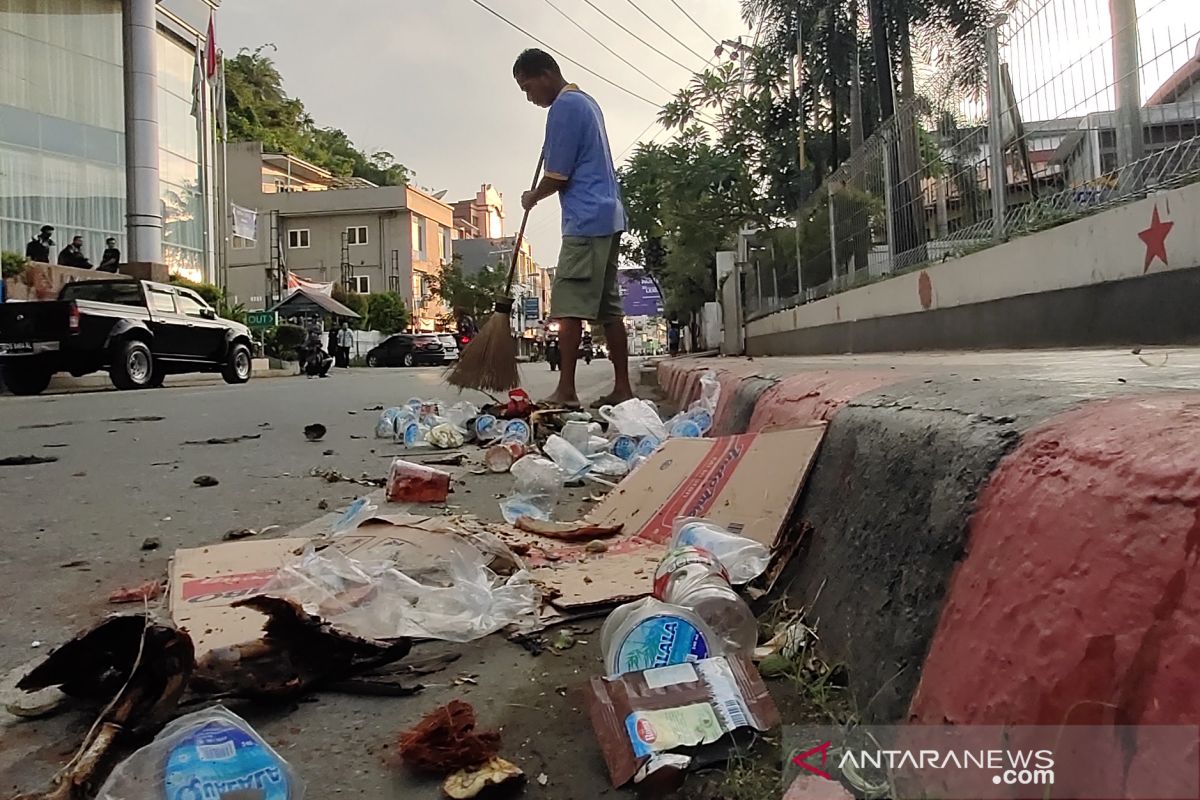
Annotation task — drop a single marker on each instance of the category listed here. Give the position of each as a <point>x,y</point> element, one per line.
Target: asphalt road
<point>74,529</point>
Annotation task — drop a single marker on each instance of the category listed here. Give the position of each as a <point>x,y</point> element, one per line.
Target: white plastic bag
<point>208,753</point>
<point>461,413</point>
<point>743,559</point>
<point>460,599</point>
<point>634,417</point>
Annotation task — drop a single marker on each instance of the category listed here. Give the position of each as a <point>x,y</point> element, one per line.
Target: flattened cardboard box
<point>748,483</point>
<point>205,581</point>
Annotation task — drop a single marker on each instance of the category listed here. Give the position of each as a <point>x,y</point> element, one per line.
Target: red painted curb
<point>1079,598</point>
<point>809,397</point>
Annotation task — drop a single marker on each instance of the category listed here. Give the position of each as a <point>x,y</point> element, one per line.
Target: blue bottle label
<point>220,758</point>
<point>660,641</point>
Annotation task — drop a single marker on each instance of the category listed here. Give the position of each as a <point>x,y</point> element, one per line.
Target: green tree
<point>470,295</point>
<point>260,110</point>
<point>386,313</point>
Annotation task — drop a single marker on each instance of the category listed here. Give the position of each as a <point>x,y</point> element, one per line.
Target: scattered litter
<point>543,779</point>
<point>29,705</point>
<point>314,432</point>
<point>322,505</point>
<point>56,445</point>
<point>567,531</point>
<point>497,772</point>
<point>35,644</point>
<point>563,639</point>
<point>79,562</point>
<point>151,542</point>
<point>596,547</point>
<point>246,533</point>
<point>150,590</point>
<point>129,420</point>
<point>499,458</point>
<point>227,439</point>
<point>451,460</point>
<point>416,483</point>
<point>686,581</point>
<point>648,633</point>
<point>446,740</point>
<point>642,720</point>
<point>743,559</point>
<point>634,417</point>
<point>205,481</point>
<point>1149,363</point>
<point>25,461</point>
<point>204,754</point>
<point>334,476</point>
<point>295,652</point>
<point>355,514</point>
<point>466,680</point>
<point>445,436</point>
<point>573,464</point>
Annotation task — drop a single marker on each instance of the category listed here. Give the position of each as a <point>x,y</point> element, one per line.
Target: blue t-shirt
<point>577,152</point>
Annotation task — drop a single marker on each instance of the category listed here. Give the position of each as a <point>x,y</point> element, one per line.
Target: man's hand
<point>529,200</point>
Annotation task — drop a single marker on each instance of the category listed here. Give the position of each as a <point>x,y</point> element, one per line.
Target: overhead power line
<point>604,14</point>
<point>715,40</point>
<point>656,24</point>
<point>592,36</point>
<point>563,55</point>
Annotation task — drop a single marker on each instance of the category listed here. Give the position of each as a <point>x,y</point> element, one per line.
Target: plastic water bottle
<point>649,633</point>
<point>743,559</point>
<point>696,587</point>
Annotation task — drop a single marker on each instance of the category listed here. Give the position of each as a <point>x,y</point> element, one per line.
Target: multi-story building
<point>97,134</point>
<point>483,215</point>
<point>327,229</point>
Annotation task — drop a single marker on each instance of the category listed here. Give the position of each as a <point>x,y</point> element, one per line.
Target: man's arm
<point>563,132</point>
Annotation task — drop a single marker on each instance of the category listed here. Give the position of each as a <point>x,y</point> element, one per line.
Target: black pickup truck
<point>139,331</point>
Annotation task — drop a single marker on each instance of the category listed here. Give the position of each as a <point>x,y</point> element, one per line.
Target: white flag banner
<point>245,222</point>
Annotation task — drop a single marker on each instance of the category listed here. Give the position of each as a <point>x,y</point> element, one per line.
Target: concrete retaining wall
<point>1128,275</point>
<point>999,551</point>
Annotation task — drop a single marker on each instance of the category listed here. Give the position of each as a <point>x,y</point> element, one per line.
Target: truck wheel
<point>132,365</point>
<point>26,380</point>
<point>158,378</point>
<point>237,368</point>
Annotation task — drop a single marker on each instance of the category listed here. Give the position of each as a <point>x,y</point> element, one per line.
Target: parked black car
<point>139,331</point>
<point>408,350</point>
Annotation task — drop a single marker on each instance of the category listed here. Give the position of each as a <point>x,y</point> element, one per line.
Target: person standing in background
<point>111,257</point>
<point>345,342</point>
<point>72,255</point>
<point>40,247</point>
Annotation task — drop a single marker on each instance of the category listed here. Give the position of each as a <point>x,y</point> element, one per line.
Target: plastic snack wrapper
<point>208,753</point>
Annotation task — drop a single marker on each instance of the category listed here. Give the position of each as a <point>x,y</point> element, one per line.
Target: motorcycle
<point>553,354</point>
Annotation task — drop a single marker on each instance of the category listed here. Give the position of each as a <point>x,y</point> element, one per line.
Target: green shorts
<point>585,282</point>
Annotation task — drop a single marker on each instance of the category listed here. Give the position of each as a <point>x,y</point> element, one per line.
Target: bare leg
<point>618,352</point>
<point>570,331</point>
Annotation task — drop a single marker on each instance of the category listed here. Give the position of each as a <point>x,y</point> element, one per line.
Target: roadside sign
<point>262,319</point>
<point>532,310</point>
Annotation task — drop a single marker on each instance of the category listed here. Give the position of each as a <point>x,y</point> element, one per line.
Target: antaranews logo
<point>1007,767</point>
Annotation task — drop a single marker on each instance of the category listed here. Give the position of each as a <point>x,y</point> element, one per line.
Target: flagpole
<point>223,125</point>
<point>203,129</point>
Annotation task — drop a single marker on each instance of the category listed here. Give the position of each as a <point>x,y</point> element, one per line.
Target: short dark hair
<point>534,62</point>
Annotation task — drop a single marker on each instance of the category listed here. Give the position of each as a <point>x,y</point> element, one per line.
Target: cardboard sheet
<point>748,483</point>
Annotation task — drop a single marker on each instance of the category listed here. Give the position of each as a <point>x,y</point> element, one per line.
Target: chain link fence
<point>1087,104</point>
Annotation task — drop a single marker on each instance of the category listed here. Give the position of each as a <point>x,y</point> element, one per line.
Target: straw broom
<point>489,363</point>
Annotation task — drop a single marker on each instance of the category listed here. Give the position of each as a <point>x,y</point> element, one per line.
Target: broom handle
<point>512,269</point>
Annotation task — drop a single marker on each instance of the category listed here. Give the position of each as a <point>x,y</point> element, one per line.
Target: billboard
<point>639,294</point>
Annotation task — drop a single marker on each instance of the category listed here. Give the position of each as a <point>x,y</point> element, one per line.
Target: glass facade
<point>62,142</point>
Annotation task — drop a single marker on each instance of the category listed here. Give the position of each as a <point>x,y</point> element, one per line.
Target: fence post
<point>998,176</point>
<point>833,259</point>
<point>889,195</point>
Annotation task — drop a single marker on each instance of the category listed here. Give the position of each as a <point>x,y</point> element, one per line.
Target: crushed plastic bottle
<point>573,463</point>
<point>649,633</point>
<point>697,588</point>
<point>743,559</point>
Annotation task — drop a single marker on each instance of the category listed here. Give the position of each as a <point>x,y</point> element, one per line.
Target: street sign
<point>262,319</point>
<point>532,310</point>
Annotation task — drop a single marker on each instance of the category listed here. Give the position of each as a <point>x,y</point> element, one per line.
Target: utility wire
<point>715,40</point>
<point>656,24</point>
<point>604,14</point>
<point>563,55</point>
<point>592,36</point>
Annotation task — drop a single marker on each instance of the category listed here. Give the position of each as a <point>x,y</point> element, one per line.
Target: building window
<point>242,243</point>
<point>298,239</point>
<point>356,235</point>
<point>360,284</point>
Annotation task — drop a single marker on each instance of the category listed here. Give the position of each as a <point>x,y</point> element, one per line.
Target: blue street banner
<point>639,294</point>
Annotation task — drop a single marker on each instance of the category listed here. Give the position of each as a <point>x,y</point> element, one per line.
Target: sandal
<point>607,400</point>
<point>548,405</point>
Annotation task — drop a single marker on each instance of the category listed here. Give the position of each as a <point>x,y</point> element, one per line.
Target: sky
<point>430,81</point>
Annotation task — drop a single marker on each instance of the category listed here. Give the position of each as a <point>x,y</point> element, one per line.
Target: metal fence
<point>1087,104</point>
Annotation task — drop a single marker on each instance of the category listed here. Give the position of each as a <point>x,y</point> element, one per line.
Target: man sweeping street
<point>579,169</point>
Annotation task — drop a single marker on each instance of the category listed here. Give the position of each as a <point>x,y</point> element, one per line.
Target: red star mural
<point>1155,239</point>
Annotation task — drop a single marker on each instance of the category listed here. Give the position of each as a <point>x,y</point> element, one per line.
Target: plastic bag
<point>208,753</point>
<point>459,599</point>
<point>710,393</point>
<point>356,514</point>
<point>743,559</point>
<point>574,464</point>
<point>536,475</point>
<point>635,417</point>
<point>460,414</point>
<point>534,506</point>
<point>608,464</point>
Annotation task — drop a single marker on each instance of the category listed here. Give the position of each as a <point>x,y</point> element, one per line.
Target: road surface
<point>74,530</point>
